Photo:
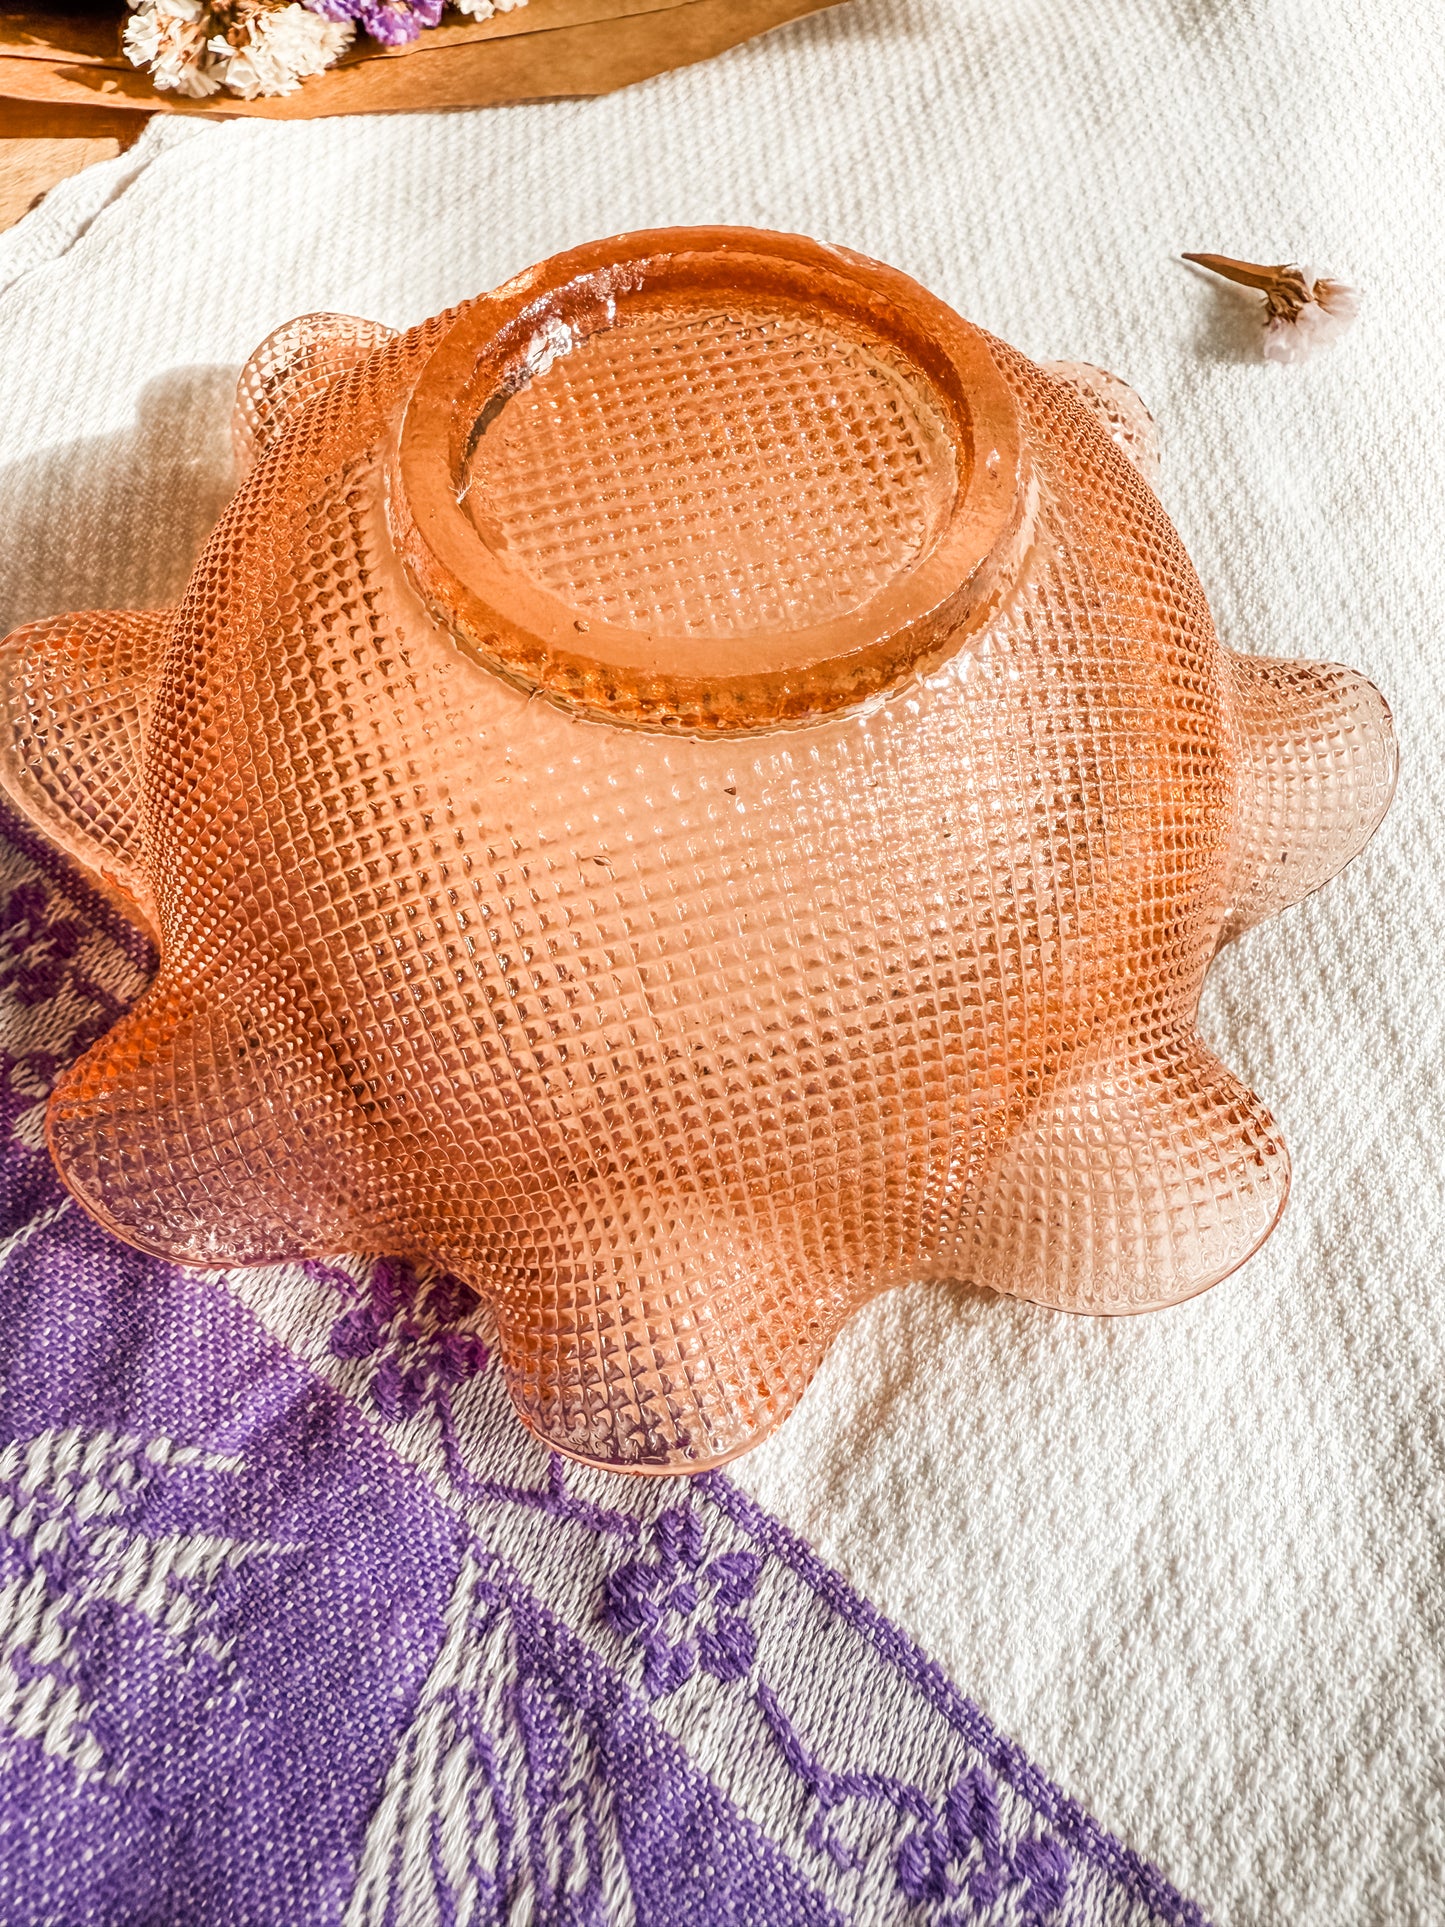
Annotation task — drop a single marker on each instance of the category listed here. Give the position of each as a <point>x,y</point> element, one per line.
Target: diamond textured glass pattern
<point>711,473</point>
<point>690,790</point>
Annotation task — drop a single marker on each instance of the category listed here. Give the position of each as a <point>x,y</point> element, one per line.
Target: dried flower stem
<point>1303,310</point>
<point>1284,288</point>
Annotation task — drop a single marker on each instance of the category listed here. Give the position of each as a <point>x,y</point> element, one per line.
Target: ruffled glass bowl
<point>689,790</point>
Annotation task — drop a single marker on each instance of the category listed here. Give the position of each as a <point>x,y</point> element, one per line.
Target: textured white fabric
<point>1192,1561</point>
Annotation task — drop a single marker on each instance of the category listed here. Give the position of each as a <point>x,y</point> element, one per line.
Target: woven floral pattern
<point>275,1648</point>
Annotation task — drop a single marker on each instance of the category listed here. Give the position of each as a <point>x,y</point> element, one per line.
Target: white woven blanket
<point>1193,1562</point>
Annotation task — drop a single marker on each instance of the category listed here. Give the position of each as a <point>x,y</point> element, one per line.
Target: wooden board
<point>69,66</point>
<point>30,168</point>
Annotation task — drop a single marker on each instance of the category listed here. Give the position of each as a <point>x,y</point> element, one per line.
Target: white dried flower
<point>1330,310</point>
<point>484,9</point>
<point>169,38</point>
<point>1304,308</point>
<point>275,49</point>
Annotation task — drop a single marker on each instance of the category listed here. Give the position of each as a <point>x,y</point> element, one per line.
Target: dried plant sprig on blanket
<point>1304,308</point>
<point>268,47</point>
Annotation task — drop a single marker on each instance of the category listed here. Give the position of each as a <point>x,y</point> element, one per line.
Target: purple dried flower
<point>397,22</point>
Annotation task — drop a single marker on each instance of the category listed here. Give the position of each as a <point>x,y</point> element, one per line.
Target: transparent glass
<point>689,790</point>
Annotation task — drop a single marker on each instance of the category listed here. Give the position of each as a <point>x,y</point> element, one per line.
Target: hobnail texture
<point>690,790</point>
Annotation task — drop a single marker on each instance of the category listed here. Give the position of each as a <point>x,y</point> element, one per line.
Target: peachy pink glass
<point>689,790</point>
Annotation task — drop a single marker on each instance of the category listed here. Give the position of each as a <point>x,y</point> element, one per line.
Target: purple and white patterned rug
<point>298,1626</point>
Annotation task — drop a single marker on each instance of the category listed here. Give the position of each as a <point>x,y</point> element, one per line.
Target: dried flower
<point>1330,310</point>
<point>271,49</point>
<point>394,23</point>
<point>1304,308</point>
<point>169,37</point>
<point>258,48</point>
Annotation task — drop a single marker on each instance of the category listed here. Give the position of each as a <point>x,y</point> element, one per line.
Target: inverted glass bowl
<point>689,790</point>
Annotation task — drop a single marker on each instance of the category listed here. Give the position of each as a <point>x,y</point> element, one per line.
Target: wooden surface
<point>29,167</point>
<point>73,65</point>
<point>68,97</point>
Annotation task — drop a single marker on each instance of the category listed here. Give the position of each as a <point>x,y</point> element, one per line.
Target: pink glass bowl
<point>689,790</point>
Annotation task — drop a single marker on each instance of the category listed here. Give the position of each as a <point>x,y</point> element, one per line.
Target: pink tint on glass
<point>689,790</point>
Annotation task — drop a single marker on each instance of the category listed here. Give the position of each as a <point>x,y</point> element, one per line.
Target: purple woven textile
<point>297,1626</point>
